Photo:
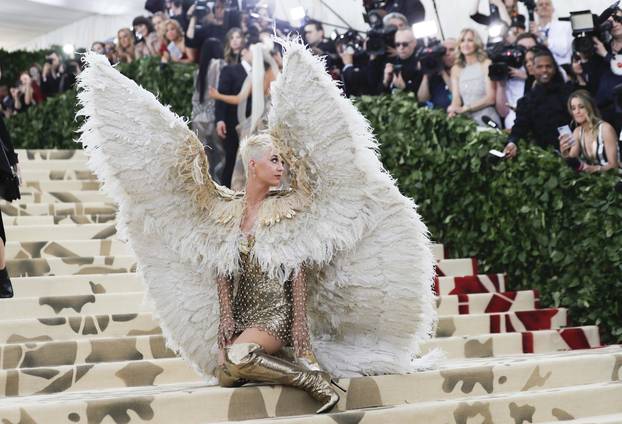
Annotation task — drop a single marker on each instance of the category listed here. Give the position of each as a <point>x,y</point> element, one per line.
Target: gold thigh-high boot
<point>250,362</point>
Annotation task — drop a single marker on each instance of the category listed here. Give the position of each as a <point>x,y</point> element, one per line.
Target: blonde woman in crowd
<point>175,50</point>
<point>234,40</point>
<point>125,48</point>
<point>593,141</point>
<point>473,93</point>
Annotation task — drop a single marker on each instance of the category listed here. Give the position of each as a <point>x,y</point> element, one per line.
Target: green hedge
<point>52,124</point>
<point>533,217</point>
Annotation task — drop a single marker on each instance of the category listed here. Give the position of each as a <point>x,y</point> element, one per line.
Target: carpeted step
<point>90,304</point>
<point>504,344</point>
<point>456,267</point>
<point>43,174</point>
<point>58,219</point>
<point>31,195</point>
<point>491,283</point>
<point>83,351</point>
<point>71,265</point>
<point>46,186</point>
<point>18,208</point>
<point>76,327</point>
<point>60,232</point>
<point>54,164</point>
<point>508,322</point>
<point>533,407</point>
<point>65,248</point>
<point>504,380</point>
<point>76,285</point>
<point>47,154</point>
<point>486,303</point>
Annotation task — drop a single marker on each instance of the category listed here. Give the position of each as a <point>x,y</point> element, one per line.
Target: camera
<point>430,57</point>
<point>586,25</point>
<point>353,44</point>
<point>379,37</point>
<point>503,58</point>
<point>201,10</point>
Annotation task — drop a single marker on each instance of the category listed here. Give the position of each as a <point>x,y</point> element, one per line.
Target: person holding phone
<point>594,141</point>
<point>542,110</point>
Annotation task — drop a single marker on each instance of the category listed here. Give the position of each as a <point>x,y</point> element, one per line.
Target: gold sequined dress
<point>259,301</point>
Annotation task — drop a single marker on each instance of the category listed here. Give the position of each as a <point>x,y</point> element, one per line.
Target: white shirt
<point>514,90</point>
<point>559,40</point>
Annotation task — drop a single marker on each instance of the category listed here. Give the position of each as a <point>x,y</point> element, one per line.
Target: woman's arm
<point>456,100</point>
<point>488,99</point>
<point>226,327</point>
<point>300,330</point>
<point>229,98</point>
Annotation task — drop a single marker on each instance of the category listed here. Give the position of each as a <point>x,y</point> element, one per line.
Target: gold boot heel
<point>249,361</point>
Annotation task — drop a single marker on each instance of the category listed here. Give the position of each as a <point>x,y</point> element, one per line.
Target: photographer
<point>51,75</point>
<point>602,71</point>
<point>544,109</point>
<point>435,89</point>
<point>206,23</point>
<point>403,73</point>
<point>314,37</point>
<point>511,88</point>
<point>23,94</point>
<point>554,34</point>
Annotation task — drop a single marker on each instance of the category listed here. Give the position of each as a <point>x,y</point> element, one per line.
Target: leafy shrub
<point>533,217</point>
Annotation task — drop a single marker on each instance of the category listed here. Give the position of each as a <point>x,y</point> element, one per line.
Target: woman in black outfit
<point>10,192</point>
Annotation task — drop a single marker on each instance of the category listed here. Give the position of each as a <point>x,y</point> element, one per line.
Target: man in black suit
<point>231,80</point>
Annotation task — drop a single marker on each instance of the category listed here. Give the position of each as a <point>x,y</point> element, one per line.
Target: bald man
<point>403,72</point>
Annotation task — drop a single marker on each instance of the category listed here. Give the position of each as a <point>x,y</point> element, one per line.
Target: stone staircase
<point>77,345</point>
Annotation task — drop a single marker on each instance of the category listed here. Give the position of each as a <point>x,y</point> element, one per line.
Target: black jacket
<point>231,80</point>
<point>540,112</point>
<point>410,74</point>
<point>5,139</point>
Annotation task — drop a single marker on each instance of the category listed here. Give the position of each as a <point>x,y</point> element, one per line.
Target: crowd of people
<point>530,78</point>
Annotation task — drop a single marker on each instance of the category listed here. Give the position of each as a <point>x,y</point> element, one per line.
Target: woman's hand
<point>226,330</point>
<point>565,144</point>
<point>518,73</point>
<point>213,93</point>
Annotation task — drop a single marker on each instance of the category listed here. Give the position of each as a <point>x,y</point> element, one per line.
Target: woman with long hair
<point>125,48</point>
<point>594,142</point>
<point>211,63</point>
<point>149,44</point>
<point>331,277</point>
<point>234,40</point>
<point>473,93</point>
<point>175,50</point>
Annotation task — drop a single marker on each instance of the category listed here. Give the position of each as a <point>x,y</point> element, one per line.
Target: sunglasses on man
<point>406,44</point>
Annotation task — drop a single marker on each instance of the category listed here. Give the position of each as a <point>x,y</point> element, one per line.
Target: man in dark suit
<point>231,80</point>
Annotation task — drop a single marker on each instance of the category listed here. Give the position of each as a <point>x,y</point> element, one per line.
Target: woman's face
<point>171,33</point>
<point>236,41</point>
<point>124,39</point>
<point>467,45</point>
<point>579,113</point>
<point>142,29</point>
<point>577,66</point>
<point>267,169</point>
<point>25,79</point>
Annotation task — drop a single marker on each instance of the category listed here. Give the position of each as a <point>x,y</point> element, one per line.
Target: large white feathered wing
<point>134,146</point>
<point>374,302</point>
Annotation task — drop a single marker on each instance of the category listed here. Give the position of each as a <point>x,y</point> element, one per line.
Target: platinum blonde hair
<point>255,146</point>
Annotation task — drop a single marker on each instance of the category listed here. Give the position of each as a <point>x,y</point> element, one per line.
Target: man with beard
<point>544,108</point>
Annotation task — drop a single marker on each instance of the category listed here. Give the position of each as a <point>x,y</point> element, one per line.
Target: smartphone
<point>496,153</point>
<point>566,130</point>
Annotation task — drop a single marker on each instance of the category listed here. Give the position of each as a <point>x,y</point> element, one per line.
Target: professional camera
<point>378,37</point>
<point>503,58</point>
<point>586,25</point>
<point>430,57</point>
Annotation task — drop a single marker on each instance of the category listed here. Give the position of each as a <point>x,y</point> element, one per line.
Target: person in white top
<point>556,35</point>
